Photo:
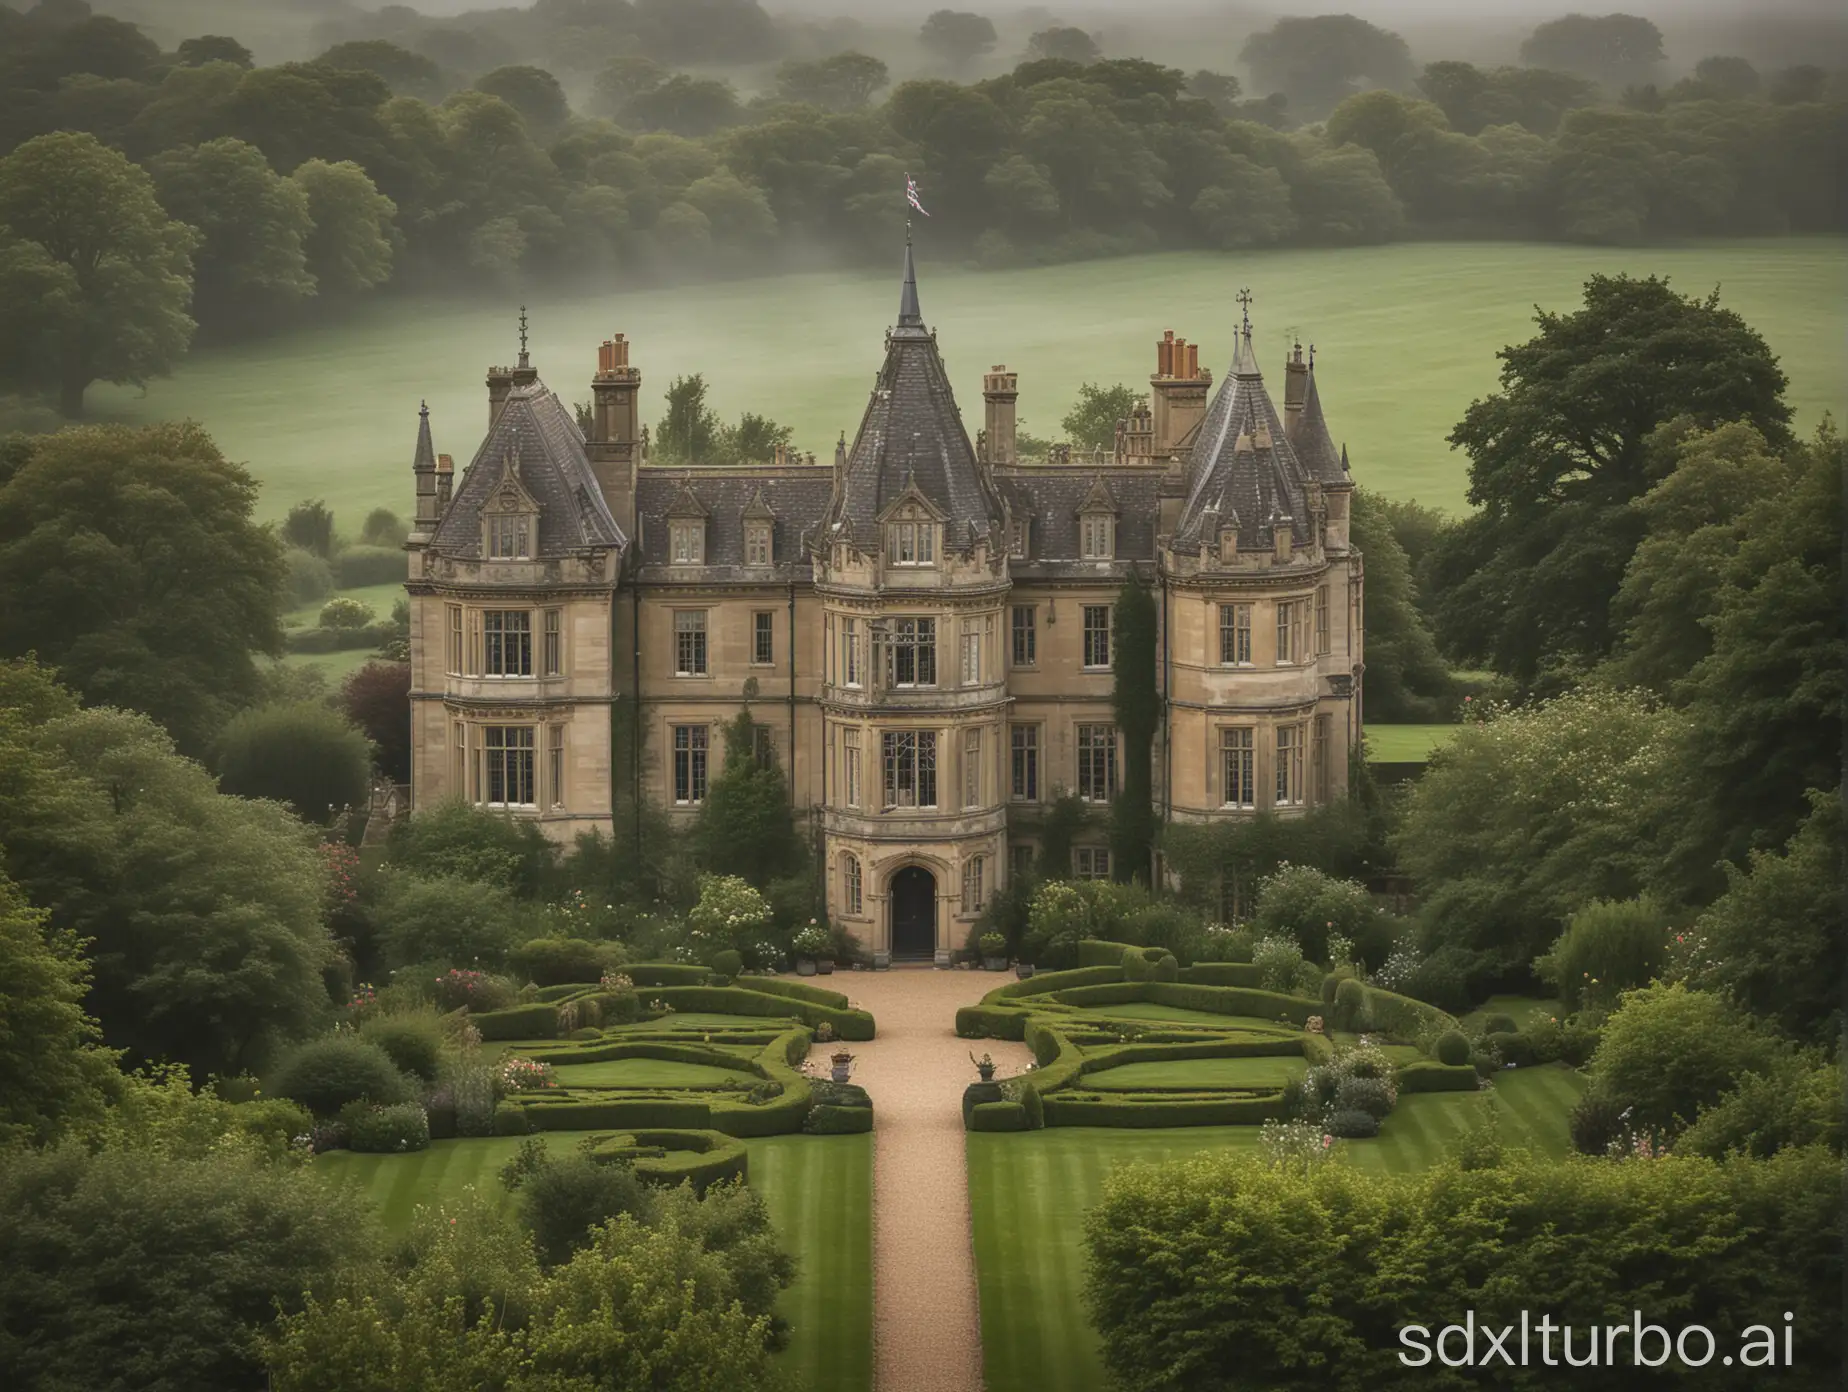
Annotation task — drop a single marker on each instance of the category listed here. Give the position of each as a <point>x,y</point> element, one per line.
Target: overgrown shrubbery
<point>401,1127</point>
<point>1607,949</point>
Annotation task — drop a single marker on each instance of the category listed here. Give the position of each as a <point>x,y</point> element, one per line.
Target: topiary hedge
<point>1131,1109</point>
<point>838,1121</point>
<point>999,1116</point>
<point>795,990</point>
<point>539,1020</point>
<point>1452,1048</point>
<point>1223,974</point>
<point>1427,1075</point>
<point>851,1025</point>
<point>717,1158</point>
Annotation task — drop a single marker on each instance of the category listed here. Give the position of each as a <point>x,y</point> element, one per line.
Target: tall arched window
<point>850,884</point>
<point>972,884</point>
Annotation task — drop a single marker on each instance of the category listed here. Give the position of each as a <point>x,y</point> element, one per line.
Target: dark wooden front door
<point>914,913</point>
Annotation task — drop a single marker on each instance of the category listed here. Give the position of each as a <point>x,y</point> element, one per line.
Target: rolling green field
<point>1028,1195</point>
<point>819,1191</point>
<point>1406,744</point>
<point>1405,335</point>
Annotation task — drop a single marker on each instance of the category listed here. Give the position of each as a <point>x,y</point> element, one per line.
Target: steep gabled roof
<point>537,433</point>
<point>1243,465</point>
<point>912,437</point>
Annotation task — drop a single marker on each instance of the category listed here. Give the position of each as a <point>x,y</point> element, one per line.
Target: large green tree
<point>204,913</point>
<point>1614,49</point>
<point>352,237</point>
<point>1558,455</point>
<point>1773,941</point>
<point>1092,421</point>
<point>53,1071</point>
<point>957,36</point>
<point>129,558</point>
<point>1524,819</point>
<point>252,221</point>
<point>1406,678</point>
<point>303,754</point>
<point>93,273</point>
<point>1316,61</point>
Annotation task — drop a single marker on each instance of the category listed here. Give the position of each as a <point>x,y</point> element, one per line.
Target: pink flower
<point>1327,1140</point>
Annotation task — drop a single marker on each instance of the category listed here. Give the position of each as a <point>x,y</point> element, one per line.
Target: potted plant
<point>994,951</point>
<point>840,1065</point>
<point>810,944</point>
<point>985,1065</point>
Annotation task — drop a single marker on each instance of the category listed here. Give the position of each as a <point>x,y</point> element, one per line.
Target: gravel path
<point>927,1334</point>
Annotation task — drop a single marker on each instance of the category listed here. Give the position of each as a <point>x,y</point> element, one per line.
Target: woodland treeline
<point>411,161</point>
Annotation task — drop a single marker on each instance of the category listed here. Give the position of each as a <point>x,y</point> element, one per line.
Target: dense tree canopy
<point>203,912</point>
<point>1614,49</point>
<point>957,36</point>
<point>1319,60</point>
<point>53,1071</point>
<point>303,754</point>
<point>1557,457</point>
<point>130,560</point>
<point>744,827</point>
<point>94,276</point>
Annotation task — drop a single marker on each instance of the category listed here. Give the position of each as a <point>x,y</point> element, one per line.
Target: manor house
<point>921,626</point>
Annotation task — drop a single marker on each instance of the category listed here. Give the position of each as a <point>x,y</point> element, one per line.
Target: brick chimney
<point>445,482</point>
<point>1295,391</point>
<point>1177,394</point>
<point>613,445</point>
<point>1000,393</point>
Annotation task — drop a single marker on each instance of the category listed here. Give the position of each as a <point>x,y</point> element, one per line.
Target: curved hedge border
<point>684,988</point>
<point>566,1109</point>
<point>719,1157</point>
<point>1050,1012</point>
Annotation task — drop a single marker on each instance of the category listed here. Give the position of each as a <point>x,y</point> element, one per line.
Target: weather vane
<point>522,335</point>
<point>1244,299</point>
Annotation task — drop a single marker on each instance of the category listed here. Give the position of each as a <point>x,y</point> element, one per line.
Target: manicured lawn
<point>1197,1073</point>
<point>1028,1195</point>
<point>335,666</point>
<point>1406,337</point>
<point>819,1190</point>
<point>645,1073</point>
<point>1406,744</point>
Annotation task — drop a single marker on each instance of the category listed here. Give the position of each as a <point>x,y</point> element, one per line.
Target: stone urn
<point>985,1066</point>
<point>840,1065</point>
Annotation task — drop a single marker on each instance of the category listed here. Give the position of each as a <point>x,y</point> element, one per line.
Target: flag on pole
<point>911,194</point>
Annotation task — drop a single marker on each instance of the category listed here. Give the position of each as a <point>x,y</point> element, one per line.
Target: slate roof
<point>912,436</point>
<point>1051,495</point>
<point>1243,465</point>
<point>797,498</point>
<point>539,432</point>
<point>1314,446</point>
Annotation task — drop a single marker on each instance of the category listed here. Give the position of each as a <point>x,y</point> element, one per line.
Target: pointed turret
<point>423,470</point>
<point>909,315</point>
<point>1311,439</point>
<point>912,438</point>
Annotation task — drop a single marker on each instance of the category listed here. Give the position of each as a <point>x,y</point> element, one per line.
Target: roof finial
<point>423,409</point>
<point>524,360</point>
<point>1244,299</point>
<point>1312,357</point>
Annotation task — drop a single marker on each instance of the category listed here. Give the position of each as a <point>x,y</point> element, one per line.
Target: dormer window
<point>688,542</point>
<point>911,541</point>
<point>1097,536</point>
<point>1017,537</point>
<point>509,537</point>
<point>757,543</point>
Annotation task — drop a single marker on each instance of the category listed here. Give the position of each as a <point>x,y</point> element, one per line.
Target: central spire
<point>909,315</point>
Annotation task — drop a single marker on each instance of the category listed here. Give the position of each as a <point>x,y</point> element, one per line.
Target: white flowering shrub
<point>729,912</point>
<point>1295,1144</point>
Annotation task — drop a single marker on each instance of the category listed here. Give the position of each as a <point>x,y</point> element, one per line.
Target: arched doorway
<point>914,913</point>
